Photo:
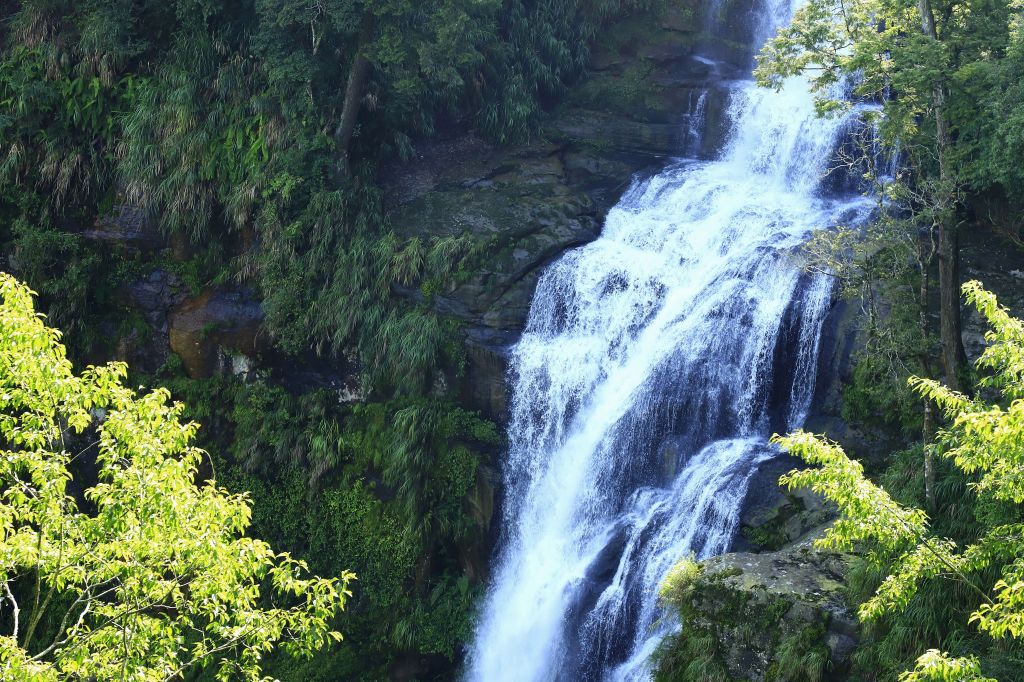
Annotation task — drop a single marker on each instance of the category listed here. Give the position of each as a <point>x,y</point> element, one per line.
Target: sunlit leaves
<point>877,51</point>
<point>149,565</point>
<point>893,529</point>
<point>985,440</point>
<point>935,666</point>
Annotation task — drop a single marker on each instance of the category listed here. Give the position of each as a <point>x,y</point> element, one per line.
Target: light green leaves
<point>146,572</point>
<point>985,439</point>
<point>935,666</point>
<point>867,511</point>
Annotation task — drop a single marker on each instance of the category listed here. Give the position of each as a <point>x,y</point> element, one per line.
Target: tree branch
<point>14,606</point>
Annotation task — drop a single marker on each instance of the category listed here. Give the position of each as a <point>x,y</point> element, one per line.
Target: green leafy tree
<point>138,570</point>
<point>986,441</point>
<point>915,57</point>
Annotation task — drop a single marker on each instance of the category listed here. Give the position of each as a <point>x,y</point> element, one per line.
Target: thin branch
<point>922,539</point>
<point>74,628</point>
<point>14,606</point>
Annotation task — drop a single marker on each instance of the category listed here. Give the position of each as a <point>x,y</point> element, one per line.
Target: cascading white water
<point>655,365</point>
<point>694,122</point>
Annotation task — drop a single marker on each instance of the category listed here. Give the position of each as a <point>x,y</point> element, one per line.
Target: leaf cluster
<point>984,440</point>
<point>148,568</point>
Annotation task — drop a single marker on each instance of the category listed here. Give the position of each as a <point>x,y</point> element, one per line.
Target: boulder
<point>772,616</point>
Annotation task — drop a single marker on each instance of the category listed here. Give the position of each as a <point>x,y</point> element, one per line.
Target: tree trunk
<point>925,258</point>
<point>924,8</point>
<point>358,75</point>
<point>954,359</point>
<point>928,434</point>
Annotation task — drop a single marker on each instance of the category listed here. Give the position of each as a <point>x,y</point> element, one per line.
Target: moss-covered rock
<point>773,616</point>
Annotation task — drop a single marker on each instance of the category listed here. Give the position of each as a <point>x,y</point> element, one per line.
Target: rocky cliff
<point>648,98</point>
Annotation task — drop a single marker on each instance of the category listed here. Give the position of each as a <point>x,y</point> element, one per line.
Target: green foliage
<point>678,585</point>
<point>62,267</point>
<point>802,655</point>
<point>218,120</point>
<point>969,74</point>
<point>984,441</point>
<point>769,537</point>
<point>692,657</point>
<point>150,567</point>
<point>193,145</point>
<point>420,451</point>
<point>392,489</point>
<point>329,276</point>
<point>937,615</point>
<point>935,666</point>
<point>874,393</point>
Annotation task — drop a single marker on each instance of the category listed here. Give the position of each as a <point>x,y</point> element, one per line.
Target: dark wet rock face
<point>998,263</point>
<point>518,203</point>
<point>843,338</point>
<point>218,332</point>
<point>650,96</point>
<point>127,225</point>
<point>146,347</point>
<point>155,295</point>
<point>987,256</point>
<point>774,517</point>
<point>522,206</point>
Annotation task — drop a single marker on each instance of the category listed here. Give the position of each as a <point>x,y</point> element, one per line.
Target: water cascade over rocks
<point>656,363</point>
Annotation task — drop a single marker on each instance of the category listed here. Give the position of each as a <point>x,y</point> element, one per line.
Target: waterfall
<point>693,127</point>
<point>656,363</point>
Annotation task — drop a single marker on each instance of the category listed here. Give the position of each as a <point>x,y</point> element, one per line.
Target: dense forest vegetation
<point>949,77</point>
<point>252,134</point>
<point>145,574</point>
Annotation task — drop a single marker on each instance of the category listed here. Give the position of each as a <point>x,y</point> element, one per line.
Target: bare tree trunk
<point>358,75</point>
<point>924,8</point>
<point>928,433</point>
<point>925,258</point>
<point>954,359</point>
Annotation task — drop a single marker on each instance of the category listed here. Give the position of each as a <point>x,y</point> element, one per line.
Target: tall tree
<point>405,61</point>
<point>954,359</point>
<point>907,55</point>
<point>358,75</point>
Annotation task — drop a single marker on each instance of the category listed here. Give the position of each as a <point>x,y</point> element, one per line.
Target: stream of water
<point>656,363</point>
